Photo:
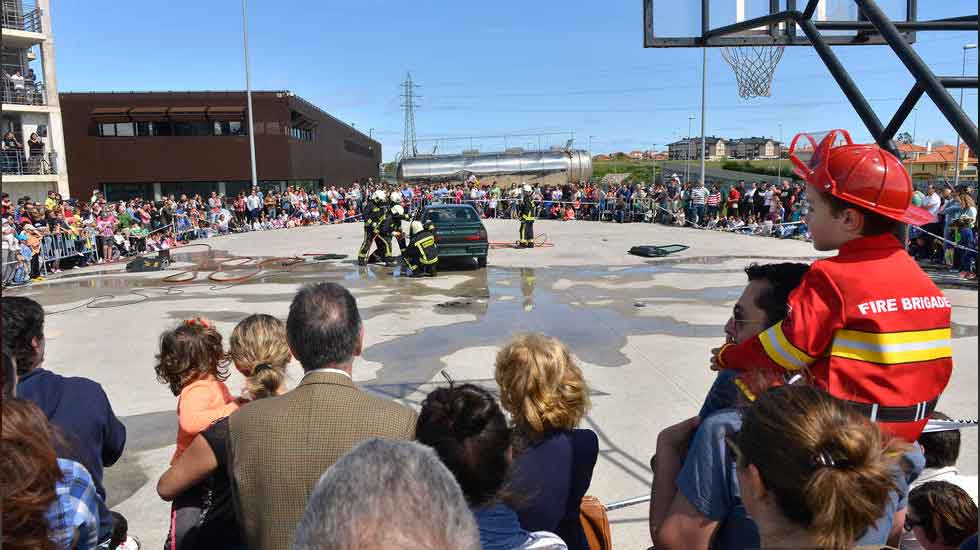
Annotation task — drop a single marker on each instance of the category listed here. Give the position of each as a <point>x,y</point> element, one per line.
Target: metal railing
<point>14,163</point>
<point>23,93</point>
<point>29,21</point>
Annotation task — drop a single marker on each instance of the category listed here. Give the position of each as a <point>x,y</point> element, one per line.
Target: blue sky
<point>484,69</point>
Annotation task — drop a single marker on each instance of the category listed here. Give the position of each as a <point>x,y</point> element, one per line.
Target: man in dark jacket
<point>78,407</point>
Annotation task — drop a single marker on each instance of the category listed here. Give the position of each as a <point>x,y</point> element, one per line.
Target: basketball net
<point>754,68</point>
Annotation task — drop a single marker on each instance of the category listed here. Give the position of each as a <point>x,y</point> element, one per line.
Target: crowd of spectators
<point>950,241</point>
<point>46,237</point>
<point>247,473</point>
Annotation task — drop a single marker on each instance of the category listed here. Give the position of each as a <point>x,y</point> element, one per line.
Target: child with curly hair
<point>192,362</point>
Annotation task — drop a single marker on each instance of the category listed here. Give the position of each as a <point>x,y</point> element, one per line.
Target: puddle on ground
<point>594,309</point>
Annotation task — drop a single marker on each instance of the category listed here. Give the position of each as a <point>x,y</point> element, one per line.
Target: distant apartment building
<point>938,163</point>
<point>154,144</point>
<point>30,103</point>
<point>690,148</point>
<point>754,148</point>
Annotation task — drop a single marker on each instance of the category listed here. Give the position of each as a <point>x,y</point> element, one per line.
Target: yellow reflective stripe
<point>745,389</point>
<point>783,353</point>
<point>894,347</point>
<point>793,350</point>
<point>891,338</point>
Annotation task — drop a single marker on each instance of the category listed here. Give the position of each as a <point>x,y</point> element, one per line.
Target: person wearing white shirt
<point>932,202</point>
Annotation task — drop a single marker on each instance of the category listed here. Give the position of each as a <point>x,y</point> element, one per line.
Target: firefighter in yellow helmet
<point>375,218</point>
<point>525,237</point>
<point>422,254</point>
<point>396,215</point>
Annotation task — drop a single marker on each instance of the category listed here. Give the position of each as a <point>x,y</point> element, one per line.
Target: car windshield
<point>448,215</point>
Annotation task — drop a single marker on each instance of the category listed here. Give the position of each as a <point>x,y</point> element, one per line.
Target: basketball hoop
<point>754,68</point>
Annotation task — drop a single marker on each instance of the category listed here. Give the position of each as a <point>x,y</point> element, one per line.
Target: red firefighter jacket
<point>868,325</point>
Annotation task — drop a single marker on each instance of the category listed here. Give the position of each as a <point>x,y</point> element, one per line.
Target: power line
<point>408,141</point>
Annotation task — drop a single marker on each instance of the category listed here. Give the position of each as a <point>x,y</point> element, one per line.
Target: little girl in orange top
<point>192,362</point>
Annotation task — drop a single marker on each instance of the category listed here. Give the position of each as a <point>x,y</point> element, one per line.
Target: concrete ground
<point>642,329</point>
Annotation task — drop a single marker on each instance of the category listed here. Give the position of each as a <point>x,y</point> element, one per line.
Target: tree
<point>904,137</point>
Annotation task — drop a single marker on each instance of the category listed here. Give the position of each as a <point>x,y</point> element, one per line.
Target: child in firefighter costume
<point>868,326</point>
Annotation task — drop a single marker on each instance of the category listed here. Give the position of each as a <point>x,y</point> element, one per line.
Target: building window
<point>192,129</point>
<point>301,134</point>
<point>357,148</point>
<point>229,128</point>
<point>127,191</point>
<point>117,129</point>
<point>148,129</point>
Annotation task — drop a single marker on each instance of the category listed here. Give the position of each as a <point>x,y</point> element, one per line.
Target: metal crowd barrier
<point>60,246</point>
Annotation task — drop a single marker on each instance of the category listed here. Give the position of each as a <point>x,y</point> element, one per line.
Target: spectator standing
<point>77,407</point>
<point>699,198</point>
<point>543,389</point>
<point>468,431</point>
<point>734,198</point>
<point>387,494</point>
<point>713,202</point>
<point>36,148</point>
<point>313,425</point>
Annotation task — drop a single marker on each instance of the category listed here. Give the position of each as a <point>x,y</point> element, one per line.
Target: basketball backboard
<point>697,23</point>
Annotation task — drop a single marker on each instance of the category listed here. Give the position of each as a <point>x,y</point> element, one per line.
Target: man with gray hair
<point>387,494</point>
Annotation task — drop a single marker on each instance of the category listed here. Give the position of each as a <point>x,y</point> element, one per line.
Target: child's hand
<point>715,362</point>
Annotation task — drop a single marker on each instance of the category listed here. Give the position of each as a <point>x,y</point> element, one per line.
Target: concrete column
<point>56,133</point>
<point>157,191</point>
<point>221,188</point>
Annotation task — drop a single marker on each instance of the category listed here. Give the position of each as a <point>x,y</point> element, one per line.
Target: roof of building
<point>753,140</point>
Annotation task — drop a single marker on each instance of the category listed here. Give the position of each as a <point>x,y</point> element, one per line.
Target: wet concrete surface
<point>640,327</point>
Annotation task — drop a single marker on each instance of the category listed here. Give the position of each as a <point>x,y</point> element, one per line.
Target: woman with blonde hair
<point>259,350</point>
<point>543,389</point>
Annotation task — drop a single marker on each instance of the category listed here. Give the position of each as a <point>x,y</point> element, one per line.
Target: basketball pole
<point>704,93</point>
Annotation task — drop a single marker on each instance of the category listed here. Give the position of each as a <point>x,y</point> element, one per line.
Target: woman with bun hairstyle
<point>812,474</point>
<point>259,351</point>
<point>467,429</point>
<point>543,389</point>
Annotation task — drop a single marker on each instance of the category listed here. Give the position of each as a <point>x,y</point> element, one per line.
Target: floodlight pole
<point>248,96</point>
<point>956,176</point>
<point>704,95</point>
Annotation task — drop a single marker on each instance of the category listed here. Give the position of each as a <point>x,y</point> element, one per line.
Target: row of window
<point>357,148</point>
<point>302,134</point>
<point>170,128</point>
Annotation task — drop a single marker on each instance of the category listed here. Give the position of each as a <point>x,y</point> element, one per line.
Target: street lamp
<point>915,122</point>
<point>956,177</point>
<point>248,97</point>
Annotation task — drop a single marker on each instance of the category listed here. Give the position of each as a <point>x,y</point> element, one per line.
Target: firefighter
<point>396,215</point>
<point>375,218</point>
<point>422,254</point>
<point>526,212</point>
<point>868,326</point>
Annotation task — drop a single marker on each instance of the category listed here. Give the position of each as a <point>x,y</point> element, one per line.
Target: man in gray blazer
<point>280,446</point>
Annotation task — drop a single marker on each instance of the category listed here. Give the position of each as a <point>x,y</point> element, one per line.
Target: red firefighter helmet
<point>862,174</point>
